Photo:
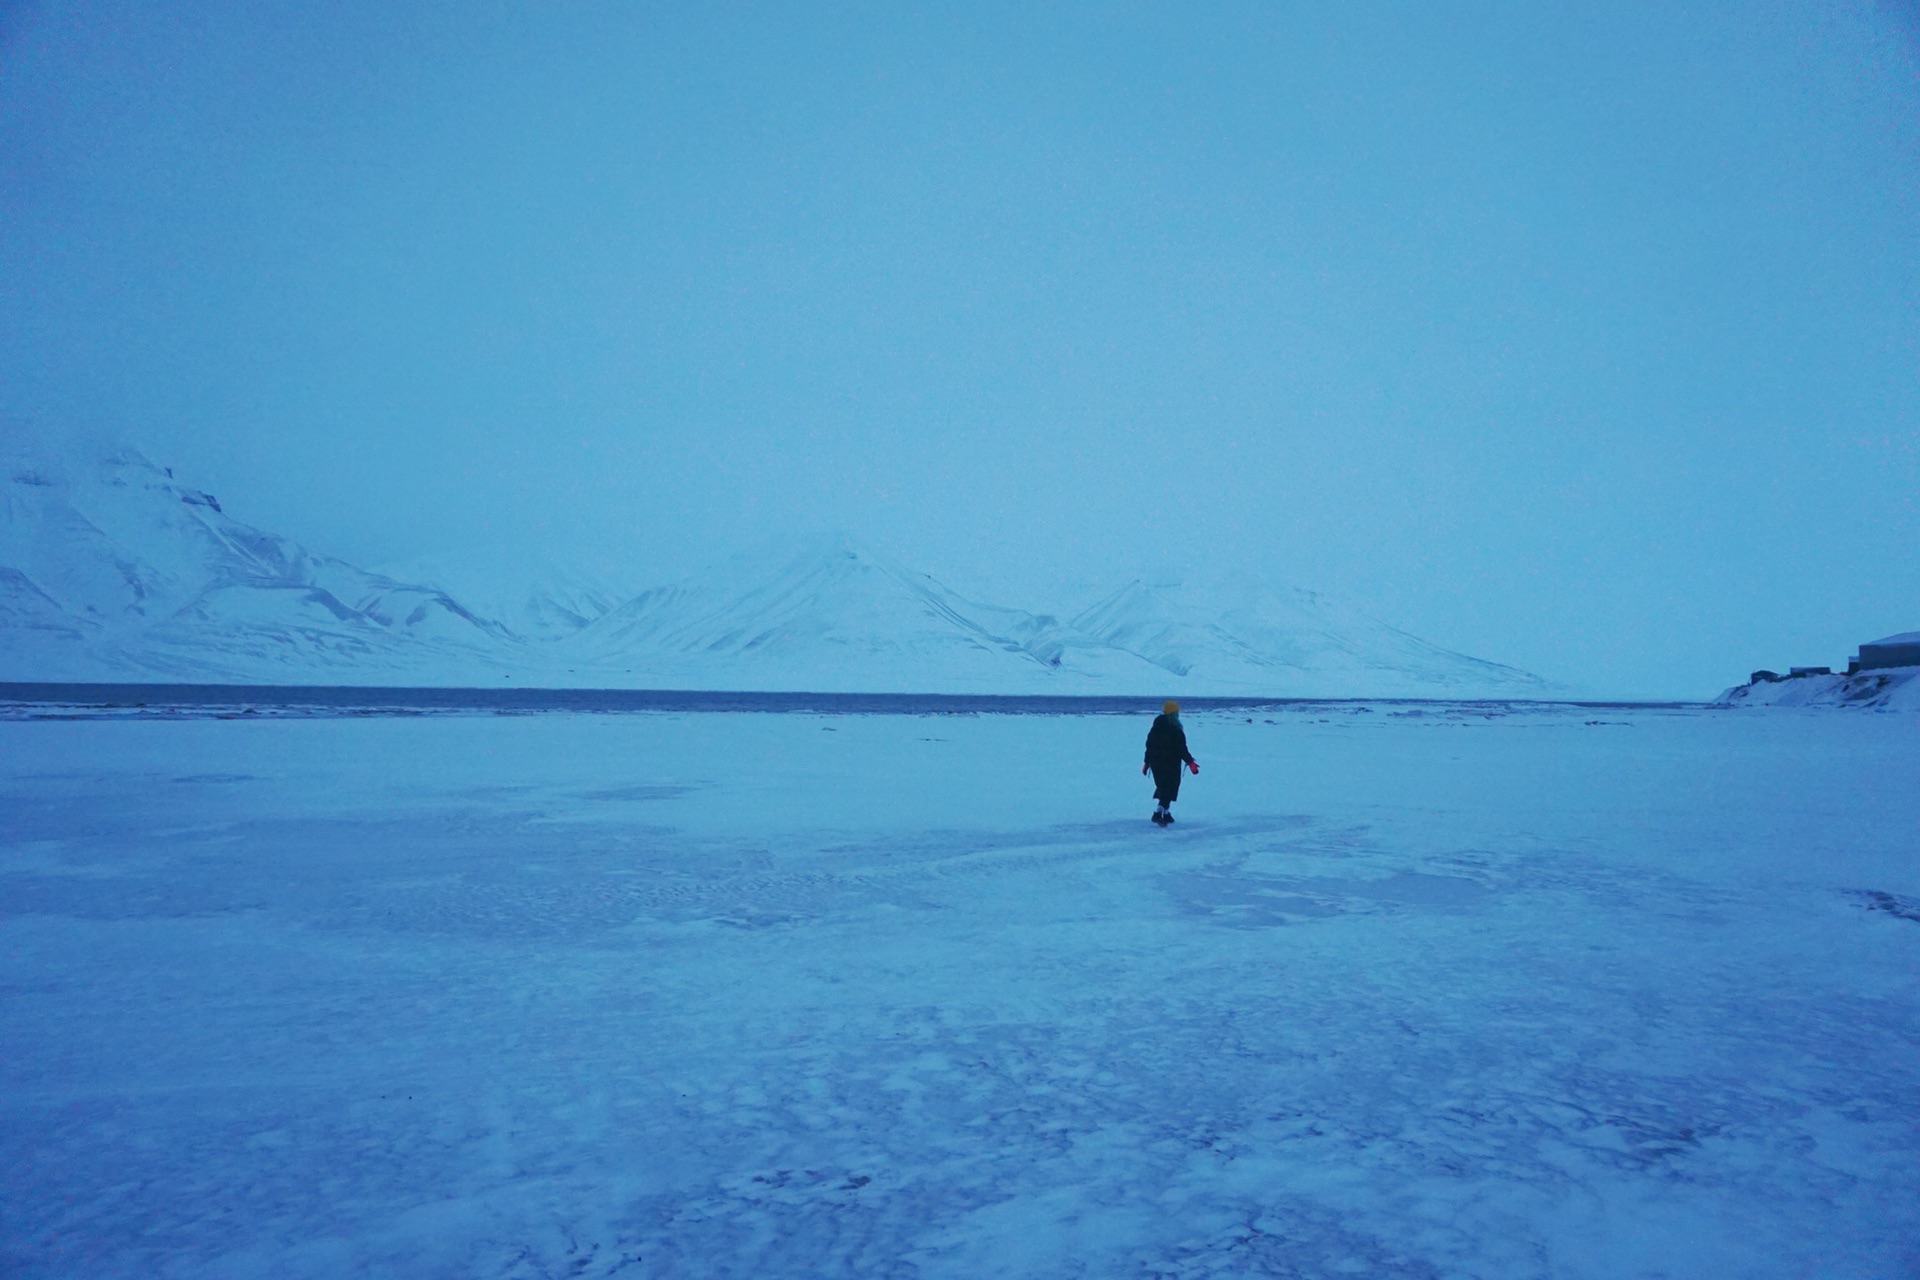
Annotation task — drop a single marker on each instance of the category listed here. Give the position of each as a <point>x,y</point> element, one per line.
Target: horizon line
<point>457,697</point>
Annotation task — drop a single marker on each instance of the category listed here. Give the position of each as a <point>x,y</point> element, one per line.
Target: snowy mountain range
<point>111,569</point>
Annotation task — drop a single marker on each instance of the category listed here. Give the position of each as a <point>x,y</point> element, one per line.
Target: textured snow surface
<point>1884,689</point>
<point>110,569</point>
<point>1406,992</point>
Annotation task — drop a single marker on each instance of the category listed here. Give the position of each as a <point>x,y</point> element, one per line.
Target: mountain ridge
<point>110,567</point>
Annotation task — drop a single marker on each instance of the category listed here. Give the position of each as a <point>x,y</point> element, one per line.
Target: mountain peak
<point>107,559</point>
<point>103,543</point>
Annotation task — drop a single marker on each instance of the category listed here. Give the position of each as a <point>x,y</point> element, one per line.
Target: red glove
<point>1194,765</point>
<point>1143,771</point>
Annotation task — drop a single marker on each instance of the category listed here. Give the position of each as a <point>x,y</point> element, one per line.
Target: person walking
<point>1166,752</point>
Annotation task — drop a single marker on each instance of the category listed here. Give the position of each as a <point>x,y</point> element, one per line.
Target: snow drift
<point>1888,688</point>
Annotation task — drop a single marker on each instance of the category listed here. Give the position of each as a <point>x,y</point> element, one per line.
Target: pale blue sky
<point>1583,340</point>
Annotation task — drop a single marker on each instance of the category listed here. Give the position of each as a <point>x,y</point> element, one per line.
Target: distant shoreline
<point>48,700</point>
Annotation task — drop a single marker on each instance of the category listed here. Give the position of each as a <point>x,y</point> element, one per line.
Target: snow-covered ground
<point>1891,688</point>
<point>1406,992</point>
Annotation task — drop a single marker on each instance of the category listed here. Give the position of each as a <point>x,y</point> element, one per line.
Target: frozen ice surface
<point>1404,993</point>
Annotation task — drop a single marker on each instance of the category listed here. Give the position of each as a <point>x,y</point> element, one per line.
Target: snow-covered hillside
<point>831,618</point>
<point>843,618</point>
<point>1887,688</point>
<point>1249,634</point>
<point>535,595</point>
<point>112,569</point>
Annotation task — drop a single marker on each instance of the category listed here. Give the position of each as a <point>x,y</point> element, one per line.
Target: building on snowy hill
<point>1883,676</point>
<point>1902,650</point>
<point>1793,673</point>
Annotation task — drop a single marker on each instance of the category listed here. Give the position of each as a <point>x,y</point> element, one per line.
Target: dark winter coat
<point>1166,752</point>
<point>1167,744</point>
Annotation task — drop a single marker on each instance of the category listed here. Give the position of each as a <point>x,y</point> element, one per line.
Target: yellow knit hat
<point>1170,707</point>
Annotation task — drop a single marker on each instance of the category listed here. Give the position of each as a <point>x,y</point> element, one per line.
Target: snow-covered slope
<point>111,568</point>
<point>1238,635</point>
<point>840,618</point>
<point>534,595</point>
<point>1887,689</point>
<point>833,618</point>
